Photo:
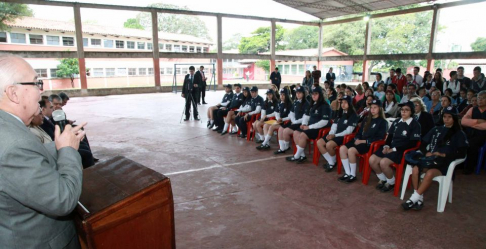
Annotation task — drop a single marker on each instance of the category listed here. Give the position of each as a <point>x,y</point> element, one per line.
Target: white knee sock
<point>260,136</point>
<point>287,144</point>
<point>235,129</point>
<point>416,197</point>
<point>353,168</point>
<point>282,144</point>
<point>381,176</point>
<point>267,139</point>
<point>299,152</point>
<point>225,128</point>
<point>329,159</point>
<point>333,158</point>
<point>390,181</point>
<point>346,166</point>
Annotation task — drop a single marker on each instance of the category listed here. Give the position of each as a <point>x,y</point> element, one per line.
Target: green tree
<point>11,11</point>
<point>232,42</point>
<point>303,37</point>
<point>172,23</point>
<point>265,65</point>
<point>479,45</point>
<point>133,23</point>
<point>260,41</point>
<point>68,68</point>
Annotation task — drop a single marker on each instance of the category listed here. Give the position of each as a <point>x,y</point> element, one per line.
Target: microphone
<point>59,117</point>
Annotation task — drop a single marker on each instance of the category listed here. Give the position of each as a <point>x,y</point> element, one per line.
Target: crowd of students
<point>446,116</point>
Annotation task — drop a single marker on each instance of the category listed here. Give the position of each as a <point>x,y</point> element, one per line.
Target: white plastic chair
<point>445,184</point>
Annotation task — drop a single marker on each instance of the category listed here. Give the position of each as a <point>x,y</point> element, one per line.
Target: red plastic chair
<point>254,131</point>
<point>249,126</point>
<point>364,160</point>
<point>317,155</point>
<point>399,169</point>
<point>347,139</point>
<point>224,117</point>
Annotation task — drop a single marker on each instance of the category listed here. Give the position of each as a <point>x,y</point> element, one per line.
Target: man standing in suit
<point>316,74</point>
<point>202,87</point>
<point>275,78</point>
<point>330,76</point>
<point>40,184</point>
<point>189,92</point>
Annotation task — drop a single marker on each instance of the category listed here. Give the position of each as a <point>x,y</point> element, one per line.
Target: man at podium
<point>39,184</point>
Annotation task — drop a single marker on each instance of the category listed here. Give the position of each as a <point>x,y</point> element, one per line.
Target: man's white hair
<point>9,73</point>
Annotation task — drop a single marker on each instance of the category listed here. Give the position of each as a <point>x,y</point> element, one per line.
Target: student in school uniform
<point>441,146</point>
<point>319,116</point>
<point>245,107</point>
<point>281,116</point>
<point>403,134</point>
<point>299,108</point>
<point>372,129</point>
<point>235,103</point>
<point>225,102</point>
<point>256,104</point>
<point>269,110</point>
<point>343,125</point>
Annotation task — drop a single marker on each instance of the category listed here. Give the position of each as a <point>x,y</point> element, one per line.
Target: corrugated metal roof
<point>335,8</point>
<point>61,26</point>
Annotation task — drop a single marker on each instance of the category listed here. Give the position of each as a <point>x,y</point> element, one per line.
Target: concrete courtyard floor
<point>229,195</point>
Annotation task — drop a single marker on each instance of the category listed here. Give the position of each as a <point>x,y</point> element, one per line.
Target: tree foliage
<point>259,41</point>
<point>303,37</point>
<point>133,23</point>
<point>479,45</point>
<point>11,11</point>
<point>172,23</point>
<point>232,42</point>
<point>68,68</point>
<point>265,65</point>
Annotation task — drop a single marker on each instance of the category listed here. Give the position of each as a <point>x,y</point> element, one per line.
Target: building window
<point>3,36</point>
<point>120,44</point>
<point>185,70</point>
<point>161,46</point>
<point>287,69</point>
<point>130,45</point>
<point>177,48</point>
<point>132,71</point>
<point>41,73</point>
<point>121,71</point>
<point>52,40</point>
<point>108,43</point>
<point>142,71</point>
<point>85,42</point>
<point>206,50</point>
<point>169,70</point>
<point>198,49</point>
<point>178,71</point>
<point>168,47</point>
<point>184,48</point>
<point>110,72</point>
<point>150,46</point>
<point>97,72</point>
<point>151,71</point>
<point>17,38</point>
<point>294,69</point>
<point>141,45</point>
<point>53,72</point>
<point>36,39</point>
<point>191,49</point>
<point>96,42</point>
<point>301,70</point>
<point>67,41</point>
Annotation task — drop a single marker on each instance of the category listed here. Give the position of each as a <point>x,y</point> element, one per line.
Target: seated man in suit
<point>40,184</point>
<point>37,121</point>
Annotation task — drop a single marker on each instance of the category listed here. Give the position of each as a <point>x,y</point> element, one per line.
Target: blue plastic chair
<point>480,165</point>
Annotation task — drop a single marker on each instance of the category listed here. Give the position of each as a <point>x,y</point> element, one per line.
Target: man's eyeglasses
<point>39,84</point>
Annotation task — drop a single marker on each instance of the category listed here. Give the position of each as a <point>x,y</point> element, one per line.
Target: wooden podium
<point>125,205</point>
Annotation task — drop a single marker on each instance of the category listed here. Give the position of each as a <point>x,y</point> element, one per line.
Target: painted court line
<point>224,165</point>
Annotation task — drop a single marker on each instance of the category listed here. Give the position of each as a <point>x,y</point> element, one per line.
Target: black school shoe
<point>279,151</point>
<point>242,135</point>
<point>291,159</point>
<point>380,184</point>
<point>328,167</point>
<point>343,178</point>
<point>219,131</point>
<point>211,126</point>
<point>351,179</point>
<point>258,141</point>
<point>418,205</point>
<point>233,133</point>
<point>223,132</point>
<point>302,159</point>
<point>263,147</point>
<point>387,188</point>
<point>410,205</point>
<point>209,123</point>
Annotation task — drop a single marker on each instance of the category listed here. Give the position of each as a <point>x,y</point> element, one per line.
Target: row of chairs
<point>403,171</point>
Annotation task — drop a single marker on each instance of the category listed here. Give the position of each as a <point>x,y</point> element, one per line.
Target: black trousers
<point>219,117</point>
<point>241,122</point>
<point>86,154</point>
<point>475,142</point>
<point>191,100</point>
<point>202,93</point>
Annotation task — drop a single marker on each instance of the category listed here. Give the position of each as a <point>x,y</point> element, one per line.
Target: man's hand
<point>183,95</point>
<point>70,136</point>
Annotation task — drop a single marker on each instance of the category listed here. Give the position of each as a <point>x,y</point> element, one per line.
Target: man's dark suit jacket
<point>48,127</point>
<point>203,82</point>
<point>187,87</point>
<point>330,76</point>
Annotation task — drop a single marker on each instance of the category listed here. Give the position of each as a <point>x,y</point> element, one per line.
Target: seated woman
<point>434,105</point>
<point>363,112</point>
<point>226,100</point>
<point>343,125</point>
<point>403,134</point>
<point>424,118</point>
<point>390,105</point>
<point>378,81</point>
<point>319,116</point>
<point>268,111</point>
<point>296,115</point>
<point>360,93</point>
<point>445,101</point>
<point>335,105</point>
<point>362,103</point>
<point>372,129</point>
<point>380,91</point>
<point>281,116</point>
<point>231,116</point>
<point>446,143</point>
<point>256,103</point>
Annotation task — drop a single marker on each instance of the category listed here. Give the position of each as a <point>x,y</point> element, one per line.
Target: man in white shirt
<point>417,79</point>
<point>453,84</point>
